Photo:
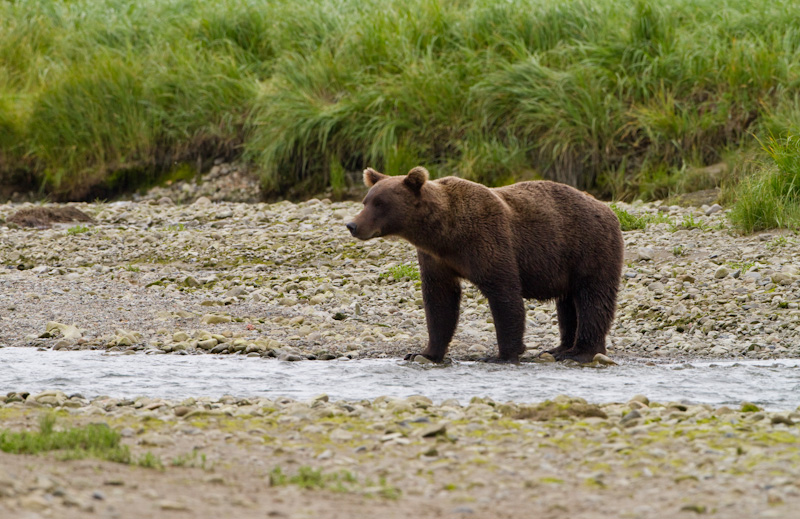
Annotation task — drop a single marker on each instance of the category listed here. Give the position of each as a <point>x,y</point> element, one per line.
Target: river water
<point>774,384</point>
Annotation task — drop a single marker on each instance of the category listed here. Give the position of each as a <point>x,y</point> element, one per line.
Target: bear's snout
<point>352,228</point>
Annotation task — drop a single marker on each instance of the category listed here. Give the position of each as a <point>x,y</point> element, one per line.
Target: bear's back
<point>563,232</point>
<point>536,200</point>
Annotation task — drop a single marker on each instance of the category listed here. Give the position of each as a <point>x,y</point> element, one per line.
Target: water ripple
<point>774,384</point>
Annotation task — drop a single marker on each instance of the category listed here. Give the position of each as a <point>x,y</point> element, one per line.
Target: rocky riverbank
<point>255,457</point>
<point>287,280</point>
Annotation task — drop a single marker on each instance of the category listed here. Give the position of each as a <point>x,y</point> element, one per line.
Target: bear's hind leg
<point>567,325</point>
<point>595,309</point>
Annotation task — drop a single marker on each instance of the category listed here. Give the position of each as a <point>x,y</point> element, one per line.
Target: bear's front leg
<point>441,295</point>
<point>508,312</point>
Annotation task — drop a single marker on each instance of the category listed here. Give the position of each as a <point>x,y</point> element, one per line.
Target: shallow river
<point>774,384</point>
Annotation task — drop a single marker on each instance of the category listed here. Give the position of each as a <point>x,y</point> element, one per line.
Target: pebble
<point>175,506</point>
<point>463,510</point>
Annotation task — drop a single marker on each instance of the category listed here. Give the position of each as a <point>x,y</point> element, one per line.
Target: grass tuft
<point>310,478</point>
<point>688,223</point>
<point>399,272</point>
<point>150,461</point>
<point>630,222</point>
<point>91,441</point>
<point>78,229</point>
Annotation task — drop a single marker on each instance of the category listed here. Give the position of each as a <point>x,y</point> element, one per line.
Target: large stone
<point>236,291</point>
<point>431,431</point>
<point>604,360</point>
<point>630,417</point>
<point>783,278</point>
<point>722,272</point>
<point>645,254</point>
<point>419,359</point>
<point>215,319</point>
<point>68,331</point>
<point>190,281</point>
<point>545,357</point>
<point>51,398</point>
<point>207,344</point>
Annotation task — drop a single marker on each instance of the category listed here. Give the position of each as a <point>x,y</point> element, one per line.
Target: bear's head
<point>389,206</point>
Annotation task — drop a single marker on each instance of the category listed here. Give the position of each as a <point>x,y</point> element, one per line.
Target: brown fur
<point>43,217</point>
<point>537,240</point>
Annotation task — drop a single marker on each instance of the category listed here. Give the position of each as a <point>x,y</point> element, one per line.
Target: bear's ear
<point>415,178</point>
<point>371,177</point>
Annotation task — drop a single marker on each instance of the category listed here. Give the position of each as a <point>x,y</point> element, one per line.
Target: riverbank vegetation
<point>94,440</point>
<point>770,198</point>
<point>624,99</point>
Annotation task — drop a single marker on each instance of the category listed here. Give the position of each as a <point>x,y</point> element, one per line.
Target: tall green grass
<point>612,95</point>
<point>771,197</point>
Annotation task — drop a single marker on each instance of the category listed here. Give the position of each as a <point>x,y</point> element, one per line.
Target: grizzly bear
<point>531,240</point>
